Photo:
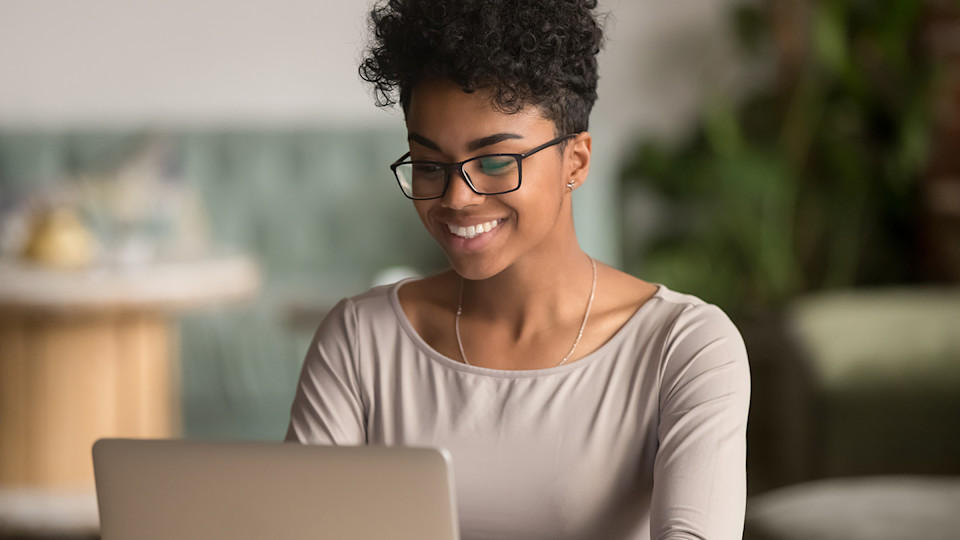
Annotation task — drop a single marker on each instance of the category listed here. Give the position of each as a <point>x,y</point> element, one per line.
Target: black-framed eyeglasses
<point>491,174</point>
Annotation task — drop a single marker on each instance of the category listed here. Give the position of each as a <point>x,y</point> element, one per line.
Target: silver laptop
<point>165,489</point>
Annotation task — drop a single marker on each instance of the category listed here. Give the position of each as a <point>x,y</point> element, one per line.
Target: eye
<point>427,171</point>
<point>497,165</point>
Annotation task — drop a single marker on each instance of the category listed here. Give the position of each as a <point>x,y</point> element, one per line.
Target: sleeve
<point>699,477</point>
<point>328,408</point>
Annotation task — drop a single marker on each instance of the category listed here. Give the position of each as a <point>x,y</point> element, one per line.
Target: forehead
<point>440,108</point>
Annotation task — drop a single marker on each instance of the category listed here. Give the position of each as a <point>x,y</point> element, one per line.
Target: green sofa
<point>859,411</point>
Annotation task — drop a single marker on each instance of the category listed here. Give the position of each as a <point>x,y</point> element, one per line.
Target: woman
<point>577,401</point>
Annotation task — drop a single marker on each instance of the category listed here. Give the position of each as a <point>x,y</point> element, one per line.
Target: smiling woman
<point>593,404</point>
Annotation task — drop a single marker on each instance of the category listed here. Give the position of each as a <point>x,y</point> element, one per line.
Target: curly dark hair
<point>524,52</point>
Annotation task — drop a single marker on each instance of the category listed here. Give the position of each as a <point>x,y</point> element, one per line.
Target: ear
<point>577,160</point>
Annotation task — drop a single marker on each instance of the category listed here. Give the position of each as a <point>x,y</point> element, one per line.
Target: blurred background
<point>187,187</point>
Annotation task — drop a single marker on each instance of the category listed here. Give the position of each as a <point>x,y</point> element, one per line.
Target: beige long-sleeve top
<point>643,438</point>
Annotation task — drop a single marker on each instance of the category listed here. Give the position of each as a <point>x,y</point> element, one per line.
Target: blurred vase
<point>57,238</point>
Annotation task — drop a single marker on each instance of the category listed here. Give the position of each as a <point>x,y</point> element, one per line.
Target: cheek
<point>422,207</point>
<point>550,182</point>
<point>545,195</point>
<point>537,210</point>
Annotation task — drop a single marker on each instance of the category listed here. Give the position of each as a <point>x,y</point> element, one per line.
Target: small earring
<point>570,184</point>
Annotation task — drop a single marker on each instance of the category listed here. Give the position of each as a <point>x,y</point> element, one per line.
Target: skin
<point>526,282</point>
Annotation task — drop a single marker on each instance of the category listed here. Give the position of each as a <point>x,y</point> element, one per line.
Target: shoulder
<point>371,307</point>
<point>422,294</point>
<point>427,303</point>
<point>688,317</point>
<point>700,343</point>
<point>673,319</point>
<point>378,301</point>
<point>619,296</point>
<point>619,292</point>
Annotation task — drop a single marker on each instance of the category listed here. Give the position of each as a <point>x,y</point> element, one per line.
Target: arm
<point>328,408</point>
<point>700,468</point>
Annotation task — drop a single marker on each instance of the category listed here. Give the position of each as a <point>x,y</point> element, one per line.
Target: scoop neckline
<point>591,358</point>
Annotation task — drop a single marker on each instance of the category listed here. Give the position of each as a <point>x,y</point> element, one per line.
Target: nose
<point>459,195</point>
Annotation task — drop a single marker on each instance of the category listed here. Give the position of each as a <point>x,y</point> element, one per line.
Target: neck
<point>533,293</point>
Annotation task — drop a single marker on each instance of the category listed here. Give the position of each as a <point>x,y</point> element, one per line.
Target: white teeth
<point>473,230</point>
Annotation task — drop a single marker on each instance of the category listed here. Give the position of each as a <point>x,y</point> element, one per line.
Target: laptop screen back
<point>162,489</point>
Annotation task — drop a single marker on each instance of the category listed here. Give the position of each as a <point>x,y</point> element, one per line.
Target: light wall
<point>103,63</point>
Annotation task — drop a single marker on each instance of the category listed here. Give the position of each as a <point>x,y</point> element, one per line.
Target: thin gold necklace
<point>586,315</point>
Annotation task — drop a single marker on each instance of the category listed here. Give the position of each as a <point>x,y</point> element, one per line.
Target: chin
<point>475,269</point>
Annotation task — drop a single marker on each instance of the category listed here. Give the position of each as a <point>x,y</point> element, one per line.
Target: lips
<point>473,231</point>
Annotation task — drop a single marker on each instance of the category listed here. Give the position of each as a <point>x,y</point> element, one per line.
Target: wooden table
<point>90,354</point>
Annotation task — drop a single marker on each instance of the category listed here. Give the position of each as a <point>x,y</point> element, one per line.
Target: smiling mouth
<point>474,230</point>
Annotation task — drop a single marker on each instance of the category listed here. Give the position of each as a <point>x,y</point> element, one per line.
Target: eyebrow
<point>474,145</point>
